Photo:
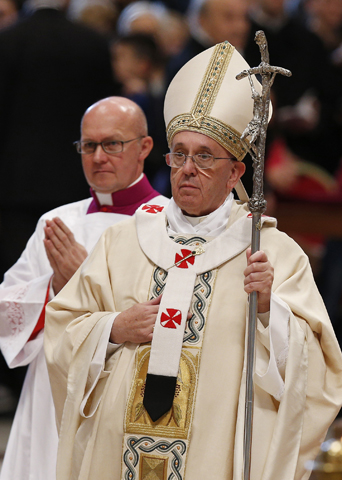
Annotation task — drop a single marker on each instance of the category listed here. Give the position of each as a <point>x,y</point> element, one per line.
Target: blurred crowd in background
<point>57,57</point>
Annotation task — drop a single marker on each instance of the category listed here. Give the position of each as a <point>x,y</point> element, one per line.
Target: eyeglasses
<point>111,146</point>
<point>202,160</point>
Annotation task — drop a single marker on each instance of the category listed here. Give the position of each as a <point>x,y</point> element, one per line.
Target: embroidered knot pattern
<point>171,318</point>
<point>152,208</point>
<point>159,282</point>
<point>200,305</point>
<point>136,447</point>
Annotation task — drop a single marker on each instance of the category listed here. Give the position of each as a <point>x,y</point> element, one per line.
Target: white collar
<point>211,225</point>
<point>107,199</point>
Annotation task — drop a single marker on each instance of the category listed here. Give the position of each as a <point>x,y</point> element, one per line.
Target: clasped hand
<point>64,253</point>
<point>136,324</point>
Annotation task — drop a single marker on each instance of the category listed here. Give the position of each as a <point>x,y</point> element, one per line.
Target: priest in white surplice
<point>68,232</point>
<point>146,344</point>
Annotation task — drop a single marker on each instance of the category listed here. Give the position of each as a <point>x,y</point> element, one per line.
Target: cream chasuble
<point>105,431</point>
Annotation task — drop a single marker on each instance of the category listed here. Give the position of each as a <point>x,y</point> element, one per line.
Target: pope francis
<point>146,344</point>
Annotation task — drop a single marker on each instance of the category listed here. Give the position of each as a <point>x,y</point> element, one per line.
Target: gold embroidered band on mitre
<point>199,118</point>
<point>156,450</point>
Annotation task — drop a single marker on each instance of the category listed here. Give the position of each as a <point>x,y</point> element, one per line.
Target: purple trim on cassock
<point>125,201</point>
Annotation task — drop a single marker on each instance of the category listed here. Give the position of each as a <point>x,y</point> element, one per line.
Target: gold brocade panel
<point>176,422</point>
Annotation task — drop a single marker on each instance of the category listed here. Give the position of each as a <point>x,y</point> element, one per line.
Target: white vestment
<point>97,391</point>
<point>32,447</point>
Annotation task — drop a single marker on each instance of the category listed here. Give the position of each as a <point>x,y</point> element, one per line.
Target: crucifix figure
<point>267,72</point>
<point>257,127</point>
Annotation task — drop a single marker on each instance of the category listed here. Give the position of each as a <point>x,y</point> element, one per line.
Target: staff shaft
<point>252,316</point>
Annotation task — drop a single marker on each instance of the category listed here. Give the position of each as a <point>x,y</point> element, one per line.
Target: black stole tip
<point>159,393</point>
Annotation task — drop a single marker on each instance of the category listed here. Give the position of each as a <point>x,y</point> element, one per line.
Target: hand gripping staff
<point>255,134</point>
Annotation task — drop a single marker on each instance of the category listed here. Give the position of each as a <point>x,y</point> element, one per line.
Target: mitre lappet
<point>203,97</point>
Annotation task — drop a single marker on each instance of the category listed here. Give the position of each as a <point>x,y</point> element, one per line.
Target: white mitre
<point>205,97</point>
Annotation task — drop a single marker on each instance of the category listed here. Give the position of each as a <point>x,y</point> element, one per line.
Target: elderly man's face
<point>109,173</point>
<point>199,192</point>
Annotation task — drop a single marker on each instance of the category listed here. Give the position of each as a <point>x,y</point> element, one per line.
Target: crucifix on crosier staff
<point>254,137</point>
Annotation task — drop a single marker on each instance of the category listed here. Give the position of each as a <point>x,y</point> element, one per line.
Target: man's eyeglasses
<point>202,160</point>
<point>111,146</point>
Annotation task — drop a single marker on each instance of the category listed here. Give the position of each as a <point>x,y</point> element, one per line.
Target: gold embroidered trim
<point>175,423</point>
<point>199,119</point>
<point>212,80</point>
<point>225,135</point>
